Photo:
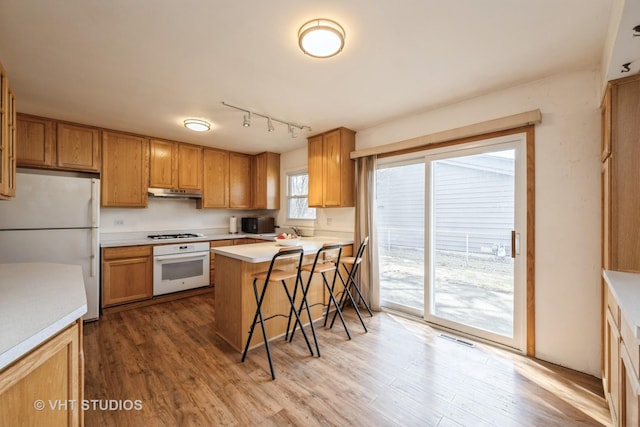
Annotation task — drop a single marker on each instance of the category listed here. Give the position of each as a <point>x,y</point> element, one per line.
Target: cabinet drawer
<point>632,344</point>
<point>126,252</point>
<point>612,305</point>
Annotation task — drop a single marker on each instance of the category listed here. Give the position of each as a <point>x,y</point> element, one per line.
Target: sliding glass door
<point>450,225</point>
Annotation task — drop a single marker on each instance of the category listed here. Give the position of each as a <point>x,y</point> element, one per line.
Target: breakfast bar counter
<point>235,303</point>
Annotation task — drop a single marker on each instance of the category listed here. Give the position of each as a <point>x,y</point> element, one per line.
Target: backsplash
<point>169,214</point>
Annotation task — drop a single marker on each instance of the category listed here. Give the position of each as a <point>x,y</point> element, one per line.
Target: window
<point>298,196</point>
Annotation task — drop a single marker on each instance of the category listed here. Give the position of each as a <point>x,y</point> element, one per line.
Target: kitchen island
<point>235,303</point>
<point>41,358</point>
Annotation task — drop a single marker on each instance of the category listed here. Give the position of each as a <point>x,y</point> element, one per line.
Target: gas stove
<point>173,236</point>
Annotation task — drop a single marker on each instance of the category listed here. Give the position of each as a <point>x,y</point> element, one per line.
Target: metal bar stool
<point>323,268</point>
<point>276,275</point>
<point>350,282</point>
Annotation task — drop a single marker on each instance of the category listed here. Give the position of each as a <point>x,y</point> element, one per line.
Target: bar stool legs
<point>351,283</point>
<point>322,268</point>
<point>276,276</point>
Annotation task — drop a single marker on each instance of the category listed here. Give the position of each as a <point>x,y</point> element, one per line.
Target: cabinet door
<point>10,184</point>
<point>267,181</point>
<point>216,179</point>
<point>126,280</point>
<point>78,147</point>
<point>332,169</point>
<point>7,139</point>
<point>605,149</point>
<point>212,257</point>
<point>34,142</point>
<point>629,391</point>
<point>52,374</point>
<point>239,181</point>
<point>189,167</point>
<point>606,214</point>
<point>163,164</point>
<point>315,168</point>
<point>625,176</point>
<point>125,170</point>
<point>612,365</point>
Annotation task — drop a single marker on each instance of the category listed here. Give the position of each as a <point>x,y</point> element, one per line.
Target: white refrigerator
<point>54,219</point>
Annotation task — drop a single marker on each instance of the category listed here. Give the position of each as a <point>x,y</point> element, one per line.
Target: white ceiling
<point>144,66</point>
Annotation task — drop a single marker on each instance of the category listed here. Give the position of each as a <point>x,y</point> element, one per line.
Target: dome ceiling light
<point>321,38</point>
<point>197,125</point>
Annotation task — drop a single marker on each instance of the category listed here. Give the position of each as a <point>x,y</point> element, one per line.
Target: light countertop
<point>135,239</point>
<point>625,288</point>
<point>261,252</point>
<point>37,300</point>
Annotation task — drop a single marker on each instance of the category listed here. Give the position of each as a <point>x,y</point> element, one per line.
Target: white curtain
<point>365,206</point>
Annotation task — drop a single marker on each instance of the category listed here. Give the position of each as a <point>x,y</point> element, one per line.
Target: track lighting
<point>292,131</point>
<point>292,127</point>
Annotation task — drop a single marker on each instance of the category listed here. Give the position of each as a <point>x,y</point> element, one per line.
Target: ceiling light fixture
<point>247,120</point>
<point>197,125</point>
<point>321,38</point>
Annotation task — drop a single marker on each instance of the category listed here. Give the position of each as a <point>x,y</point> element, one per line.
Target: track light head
<point>270,125</point>
<point>247,119</point>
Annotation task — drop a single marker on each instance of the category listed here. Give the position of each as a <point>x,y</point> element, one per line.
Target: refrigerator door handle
<point>94,255</point>
<point>95,202</point>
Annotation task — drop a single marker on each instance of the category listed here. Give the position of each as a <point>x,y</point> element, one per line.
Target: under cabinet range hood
<point>170,193</point>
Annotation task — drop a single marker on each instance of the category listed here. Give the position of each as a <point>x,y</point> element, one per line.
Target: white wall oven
<point>180,266</point>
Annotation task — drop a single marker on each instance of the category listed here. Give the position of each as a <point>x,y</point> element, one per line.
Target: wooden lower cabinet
<point>127,274</point>
<point>621,378</point>
<point>212,258</point>
<point>629,391</point>
<point>52,376</point>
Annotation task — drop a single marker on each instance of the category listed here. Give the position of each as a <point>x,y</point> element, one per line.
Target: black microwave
<point>258,224</point>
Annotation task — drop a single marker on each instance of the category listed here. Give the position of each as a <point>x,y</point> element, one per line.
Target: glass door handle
<point>515,243</point>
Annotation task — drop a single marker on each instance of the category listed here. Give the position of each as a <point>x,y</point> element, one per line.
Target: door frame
<point>529,132</point>
<point>515,142</point>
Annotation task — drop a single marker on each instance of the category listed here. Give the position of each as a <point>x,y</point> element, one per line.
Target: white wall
<point>337,222</point>
<point>567,209</point>
<point>167,215</point>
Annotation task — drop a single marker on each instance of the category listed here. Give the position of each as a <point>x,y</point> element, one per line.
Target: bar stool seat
<point>320,268</point>
<point>278,275</point>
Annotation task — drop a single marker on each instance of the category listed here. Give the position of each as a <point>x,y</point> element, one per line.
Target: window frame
<point>289,196</point>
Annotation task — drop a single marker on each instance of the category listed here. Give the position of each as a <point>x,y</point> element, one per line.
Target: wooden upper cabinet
<point>215,192</point>
<point>605,148</point>
<point>624,174</point>
<point>7,138</point>
<point>78,147</point>
<point>266,176</point>
<point>239,181</point>
<point>189,167</point>
<point>316,170</point>
<point>331,170</point>
<point>35,141</point>
<point>163,164</point>
<point>125,170</point>
<point>45,143</point>
<point>175,165</point>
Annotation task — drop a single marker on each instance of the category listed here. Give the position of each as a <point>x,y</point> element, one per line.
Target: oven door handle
<point>182,257</point>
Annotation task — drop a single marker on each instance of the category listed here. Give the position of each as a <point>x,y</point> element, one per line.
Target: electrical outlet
<point>329,221</point>
<point>118,222</point>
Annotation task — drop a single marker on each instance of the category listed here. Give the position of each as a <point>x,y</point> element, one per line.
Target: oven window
<point>182,270</point>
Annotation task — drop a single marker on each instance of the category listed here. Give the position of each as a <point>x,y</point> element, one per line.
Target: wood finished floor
<point>399,374</point>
